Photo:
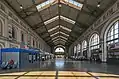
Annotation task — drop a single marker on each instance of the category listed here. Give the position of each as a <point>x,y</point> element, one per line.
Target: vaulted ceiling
<point>59,22</point>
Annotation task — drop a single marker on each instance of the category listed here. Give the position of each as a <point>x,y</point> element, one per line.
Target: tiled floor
<point>60,75</point>
<point>64,69</point>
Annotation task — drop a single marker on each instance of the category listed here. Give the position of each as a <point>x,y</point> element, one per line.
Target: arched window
<point>78,48</point>
<point>74,49</point>
<point>1,27</point>
<point>22,36</point>
<point>113,33</point>
<point>84,45</point>
<point>94,42</point>
<point>59,49</point>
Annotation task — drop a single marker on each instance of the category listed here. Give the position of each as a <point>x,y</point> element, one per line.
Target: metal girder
<point>33,12</point>
<point>88,5</point>
<point>37,25</point>
<point>32,6</point>
<point>43,22</point>
<point>91,10</point>
<point>60,35</point>
<point>47,36</point>
<point>42,33</point>
<point>78,23</point>
<point>77,18</point>
<point>58,44</point>
<point>59,38</point>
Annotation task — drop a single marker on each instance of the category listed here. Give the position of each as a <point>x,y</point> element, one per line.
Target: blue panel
<point>32,51</point>
<point>9,50</point>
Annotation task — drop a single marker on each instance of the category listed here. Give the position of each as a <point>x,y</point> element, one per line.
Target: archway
<point>59,52</point>
<point>59,49</point>
<point>84,48</point>
<point>93,45</point>
<point>111,38</point>
<point>78,50</point>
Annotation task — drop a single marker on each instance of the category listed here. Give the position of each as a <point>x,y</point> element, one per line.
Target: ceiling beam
<point>59,38</point>
<point>85,2</point>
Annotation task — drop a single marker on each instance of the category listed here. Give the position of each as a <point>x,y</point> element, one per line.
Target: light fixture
<point>60,5</point>
<point>98,5</point>
<point>21,7</point>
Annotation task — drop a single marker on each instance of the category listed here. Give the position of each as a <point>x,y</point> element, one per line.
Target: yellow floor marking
<point>67,73</point>
<point>46,78</point>
<point>15,73</point>
<point>24,77</point>
<point>49,73</point>
<point>85,78</point>
<point>109,78</point>
<point>34,73</point>
<point>67,78</point>
<point>4,77</point>
<point>80,74</point>
<point>102,74</point>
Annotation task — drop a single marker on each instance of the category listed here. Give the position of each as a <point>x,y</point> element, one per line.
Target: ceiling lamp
<point>60,5</point>
<point>98,5</point>
<point>21,7</point>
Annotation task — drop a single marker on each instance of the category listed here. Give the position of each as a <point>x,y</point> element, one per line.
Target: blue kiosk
<point>23,57</point>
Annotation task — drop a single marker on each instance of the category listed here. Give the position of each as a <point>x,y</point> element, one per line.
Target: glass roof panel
<point>51,20</point>
<point>59,40</point>
<point>71,3</point>
<point>59,37</point>
<point>63,37</point>
<point>65,28</point>
<point>54,28</point>
<point>74,3</point>
<point>67,19</point>
<point>44,4</point>
<point>64,34</point>
<point>54,33</point>
<point>63,40</point>
<point>56,40</point>
<point>55,37</point>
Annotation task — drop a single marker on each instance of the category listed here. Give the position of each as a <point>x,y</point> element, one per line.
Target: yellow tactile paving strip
<point>73,75</point>
<point>68,73</point>
<point>61,75</point>
<point>15,73</point>
<point>105,76</point>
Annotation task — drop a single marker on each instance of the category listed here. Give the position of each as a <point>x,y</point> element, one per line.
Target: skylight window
<point>65,28</point>
<point>71,3</point>
<point>51,20</point>
<point>64,34</point>
<point>44,4</point>
<point>63,40</point>
<point>67,19</point>
<point>74,3</point>
<point>59,40</point>
<point>53,29</point>
<point>57,17</point>
<point>56,40</point>
<point>55,37</point>
<point>54,34</point>
<point>63,37</point>
<point>59,37</point>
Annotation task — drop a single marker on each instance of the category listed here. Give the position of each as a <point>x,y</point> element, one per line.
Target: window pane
<point>111,37</point>
<point>116,41</point>
<point>115,31</point>
<point>116,36</point>
<point>116,25</point>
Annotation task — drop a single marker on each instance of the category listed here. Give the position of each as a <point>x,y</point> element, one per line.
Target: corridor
<point>64,69</point>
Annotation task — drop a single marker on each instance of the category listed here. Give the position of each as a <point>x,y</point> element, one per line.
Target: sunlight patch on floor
<point>60,75</point>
